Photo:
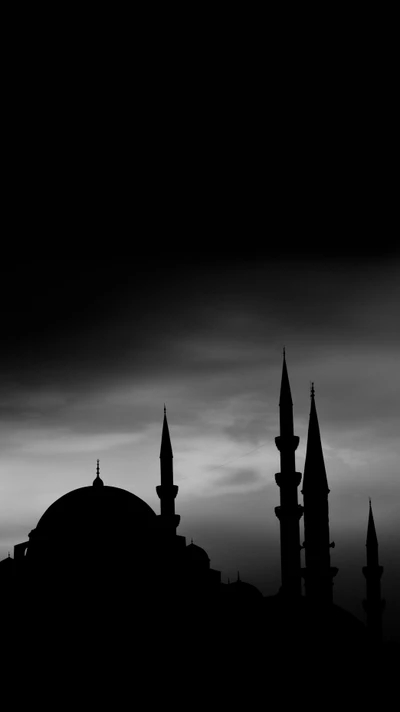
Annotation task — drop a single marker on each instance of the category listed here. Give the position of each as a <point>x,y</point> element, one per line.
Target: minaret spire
<point>167,491</point>
<point>288,480</point>
<point>285,402</point>
<point>318,573</point>
<point>372,539</point>
<point>373,605</point>
<point>314,466</point>
<point>166,455</point>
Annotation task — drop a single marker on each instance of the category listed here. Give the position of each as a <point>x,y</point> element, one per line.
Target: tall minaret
<point>318,573</point>
<point>167,491</point>
<point>373,604</point>
<point>288,480</point>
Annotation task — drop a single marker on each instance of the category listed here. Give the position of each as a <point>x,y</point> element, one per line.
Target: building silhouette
<point>102,572</point>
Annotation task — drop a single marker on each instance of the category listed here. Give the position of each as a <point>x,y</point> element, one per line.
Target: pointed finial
<point>98,482</point>
<point>370,502</point>
<point>165,410</point>
<point>312,389</point>
<point>191,541</point>
<point>9,555</point>
<point>284,352</point>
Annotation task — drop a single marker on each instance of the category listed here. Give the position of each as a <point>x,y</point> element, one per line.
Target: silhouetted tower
<point>167,491</point>
<point>288,480</point>
<point>373,605</point>
<point>318,573</point>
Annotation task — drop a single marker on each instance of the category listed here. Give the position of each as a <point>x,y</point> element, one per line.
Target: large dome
<point>95,510</point>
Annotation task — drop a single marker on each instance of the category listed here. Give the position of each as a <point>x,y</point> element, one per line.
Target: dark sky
<point>58,315</point>
<point>91,349</point>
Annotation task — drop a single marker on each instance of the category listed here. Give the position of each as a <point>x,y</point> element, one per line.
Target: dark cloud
<point>78,325</point>
<point>204,337</point>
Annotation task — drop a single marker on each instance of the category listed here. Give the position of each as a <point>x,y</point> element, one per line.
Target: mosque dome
<point>95,510</point>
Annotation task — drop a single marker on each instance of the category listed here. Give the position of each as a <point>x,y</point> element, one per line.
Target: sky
<point>92,349</point>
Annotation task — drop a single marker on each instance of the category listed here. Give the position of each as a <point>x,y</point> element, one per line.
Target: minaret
<point>167,491</point>
<point>373,604</point>
<point>288,480</point>
<point>318,573</point>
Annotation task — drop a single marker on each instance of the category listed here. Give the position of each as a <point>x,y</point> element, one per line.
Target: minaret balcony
<point>288,479</point>
<point>287,442</point>
<point>287,513</point>
<point>372,572</point>
<point>167,491</point>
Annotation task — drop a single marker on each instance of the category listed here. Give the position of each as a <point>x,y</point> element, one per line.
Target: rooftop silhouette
<point>102,567</point>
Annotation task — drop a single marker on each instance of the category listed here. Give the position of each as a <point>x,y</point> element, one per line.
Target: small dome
<point>196,554</point>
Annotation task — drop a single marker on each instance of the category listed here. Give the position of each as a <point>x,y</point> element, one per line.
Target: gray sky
<point>87,365</point>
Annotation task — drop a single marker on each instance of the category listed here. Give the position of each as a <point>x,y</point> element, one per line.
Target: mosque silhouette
<point>101,573</point>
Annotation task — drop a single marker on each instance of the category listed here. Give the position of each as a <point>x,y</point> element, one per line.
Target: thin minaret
<point>288,480</point>
<point>167,491</point>
<point>318,573</point>
<point>373,605</point>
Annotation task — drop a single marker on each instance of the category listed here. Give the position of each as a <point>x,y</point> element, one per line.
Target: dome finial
<point>98,482</point>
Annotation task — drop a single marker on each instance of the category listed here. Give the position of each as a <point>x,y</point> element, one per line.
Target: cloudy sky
<point>91,351</point>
